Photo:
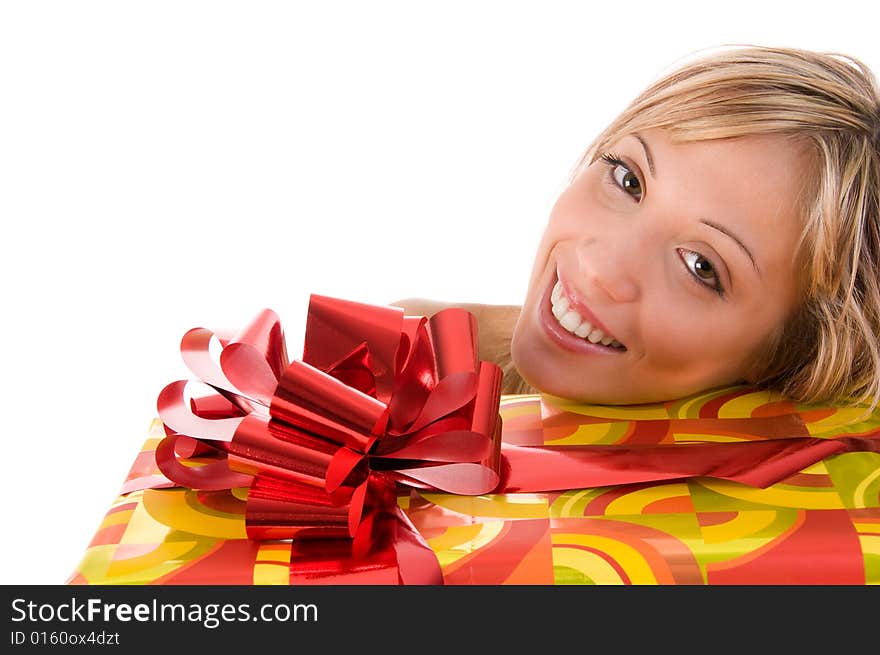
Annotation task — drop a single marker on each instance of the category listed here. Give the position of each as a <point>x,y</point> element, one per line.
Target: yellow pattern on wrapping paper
<point>690,407</point>
<point>116,518</point>
<point>713,549</point>
<point>573,503</point>
<point>744,524</point>
<point>743,406</point>
<point>729,550</point>
<point>685,409</point>
<point>93,565</point>
<point>627,413</point>
<point>514,408</point>
<point>849,417</point>
<point>867,527</point>
<point>636,501</point>
<point>460,540</point>
<point>696,437</point>
<point>860,495</point>
<point>750,529</point>
<point>169,506</point>
<point>777,495</point>
<point>272,566</point>
<point>157,430</point>
<point>166,557</point>
<point>818,468</point>
<point>848,470</point>
<point>143,528</point>
<point>506,506</point>
<point>151,443</point>
<point>590,565</point>
<point>101,564</point>
<point>870,544</point>
<point>508,398</point>
<point>630,560</point>
<point>592,433</point>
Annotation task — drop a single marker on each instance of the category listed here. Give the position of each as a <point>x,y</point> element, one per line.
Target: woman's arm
<point>495,324</point>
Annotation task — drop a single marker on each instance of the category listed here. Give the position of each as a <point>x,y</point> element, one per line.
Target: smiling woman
<point>649,261</point>
<point>723,229</point>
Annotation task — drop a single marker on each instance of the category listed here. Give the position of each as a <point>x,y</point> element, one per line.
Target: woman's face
<point>681,253</point>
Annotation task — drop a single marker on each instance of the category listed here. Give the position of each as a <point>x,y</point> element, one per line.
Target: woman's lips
<point>581,308</point>
<point>563,337</point>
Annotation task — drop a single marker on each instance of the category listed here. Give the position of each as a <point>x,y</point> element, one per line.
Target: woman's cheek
<point>670,333</point>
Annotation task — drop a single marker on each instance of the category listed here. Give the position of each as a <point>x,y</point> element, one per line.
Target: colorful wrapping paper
<point>816,525</point>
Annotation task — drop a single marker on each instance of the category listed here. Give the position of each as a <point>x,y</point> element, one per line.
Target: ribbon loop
<point>379,400</point>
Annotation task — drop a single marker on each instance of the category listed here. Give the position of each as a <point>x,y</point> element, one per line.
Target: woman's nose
<point>609,270</point>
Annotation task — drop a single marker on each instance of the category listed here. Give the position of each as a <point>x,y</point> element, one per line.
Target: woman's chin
<point>536,371</point>
<point>550,370</point>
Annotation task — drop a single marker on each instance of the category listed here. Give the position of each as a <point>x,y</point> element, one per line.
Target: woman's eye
<point>627,180</point>
<point>623,177</point>
<point>702,269</point>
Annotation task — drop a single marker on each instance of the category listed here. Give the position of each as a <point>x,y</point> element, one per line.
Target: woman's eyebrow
<point>711,224</point>
<point>647,153</point>
<point>738,241</point>
<point>706,221</point>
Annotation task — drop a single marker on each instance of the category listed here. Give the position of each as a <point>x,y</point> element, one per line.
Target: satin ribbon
<point>755,463</point>
<point>379,400</point>
<point>778,447</point>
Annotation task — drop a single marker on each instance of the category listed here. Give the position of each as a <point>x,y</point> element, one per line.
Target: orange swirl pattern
<point>731,414</point>
<point>819,526</point>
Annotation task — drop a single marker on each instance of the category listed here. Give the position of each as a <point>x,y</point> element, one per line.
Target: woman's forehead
<point>754,182</point>
<point>746,187</point>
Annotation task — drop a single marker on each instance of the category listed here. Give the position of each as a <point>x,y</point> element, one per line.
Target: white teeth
<point>583,330</point>
<point>595,336</point>
<point>560,307</point>
<point>570,321</point>
<point>574,322</point>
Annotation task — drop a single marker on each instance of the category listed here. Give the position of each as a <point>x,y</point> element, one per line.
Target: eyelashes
<point>628,183</point>
<point>622,178</point>
<point>692,261</point>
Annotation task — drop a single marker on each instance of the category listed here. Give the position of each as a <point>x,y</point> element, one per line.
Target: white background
<point>166,165</point>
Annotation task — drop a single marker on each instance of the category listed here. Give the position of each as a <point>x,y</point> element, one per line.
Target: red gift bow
<point>379,399</point>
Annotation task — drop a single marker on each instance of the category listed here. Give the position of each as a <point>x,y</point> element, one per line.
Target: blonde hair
<point>829,103</point>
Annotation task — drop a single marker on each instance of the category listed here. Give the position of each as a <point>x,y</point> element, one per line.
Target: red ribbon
<point>382,401</point>
<point>378,400</point>
<point>757,463</point>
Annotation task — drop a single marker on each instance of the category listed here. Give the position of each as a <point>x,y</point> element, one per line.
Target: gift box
<point>733,486</point>
<point>818,526</point>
